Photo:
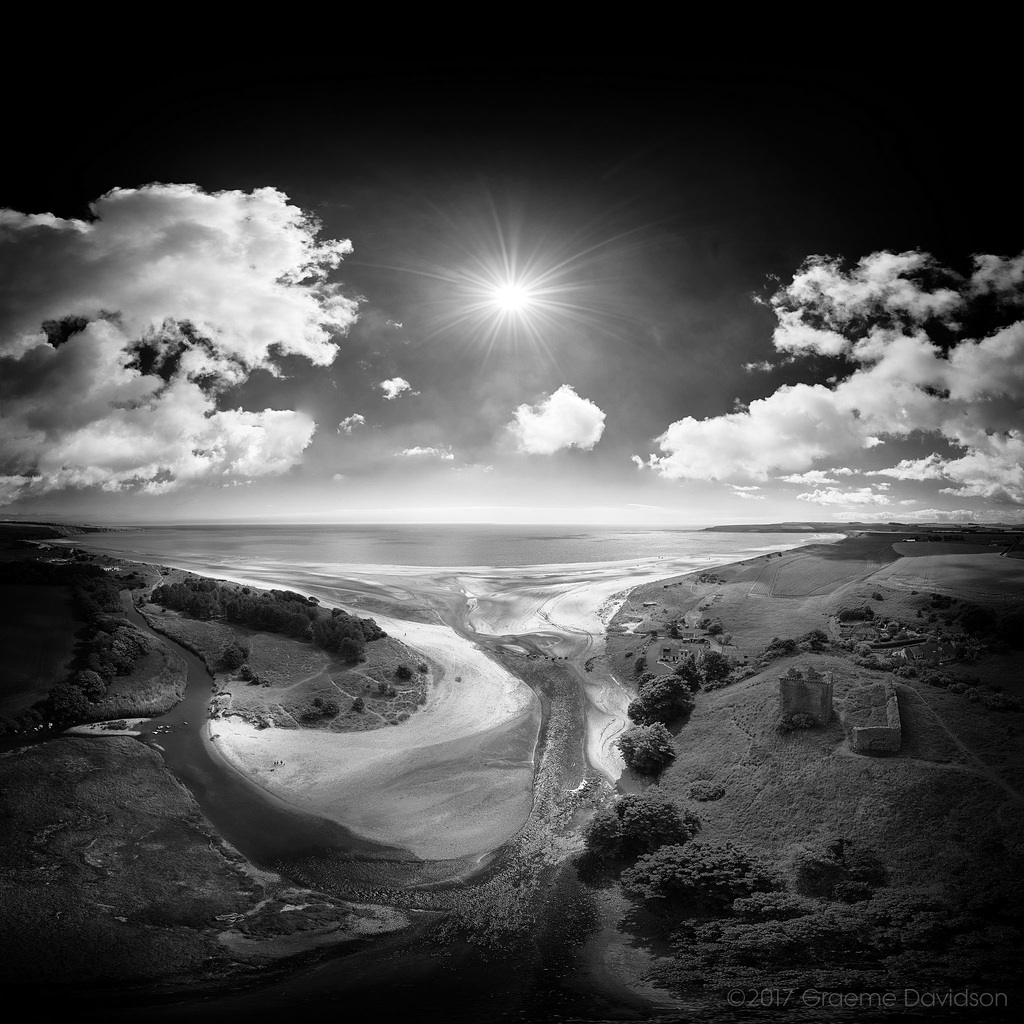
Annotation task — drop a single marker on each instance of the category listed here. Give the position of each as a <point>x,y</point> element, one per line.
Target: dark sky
<point>668,198</point>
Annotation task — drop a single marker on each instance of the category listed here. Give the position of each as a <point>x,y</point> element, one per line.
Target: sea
<point>446,547</point>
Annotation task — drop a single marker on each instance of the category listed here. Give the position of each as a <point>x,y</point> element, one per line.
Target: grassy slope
<point>936,810</point>
<point>298,672</point>
<point>947,813</point>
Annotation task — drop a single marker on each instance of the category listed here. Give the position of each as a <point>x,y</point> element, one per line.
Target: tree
<point>68,703</point>
<point>715,667</point>
<point>232,657</point>
<point>704,876</point>
<point>404,673</point>
<point>647,749</point>
<point>90,683</point>
<point>687,671</point>
<point>638,823</point>
<point>663,700</point>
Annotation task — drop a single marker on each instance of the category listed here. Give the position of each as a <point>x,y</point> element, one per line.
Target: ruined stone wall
<point>881,739</point>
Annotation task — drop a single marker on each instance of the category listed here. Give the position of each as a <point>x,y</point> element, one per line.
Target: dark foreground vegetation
<point>116,669</point>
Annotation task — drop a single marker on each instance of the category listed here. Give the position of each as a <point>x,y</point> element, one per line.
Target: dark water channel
<point>262,827</point>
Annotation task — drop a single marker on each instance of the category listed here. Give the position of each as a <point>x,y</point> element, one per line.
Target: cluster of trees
<point>111,648</point>
<point>94,591</point>
<point>895,940</point>
<point>108,646</point>
<point>638,823</point>
<point>273,611</point>
<point>322,707</point>
<point>864,612</point>
<point>646,746</point>
<point>664,698</point>
<point>698,878</point>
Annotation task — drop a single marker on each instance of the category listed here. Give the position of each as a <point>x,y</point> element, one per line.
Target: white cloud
<point>834,496</point>
<point>638,462</point>
<point>349,423</point>
<point>562,420</point>
<point>394,387</point>
<point>823,300</point>
<point>931,467</point>
<point>118,334</point>
<point>1002,276</point>
<point>444,452</point>
<point>740,487</point>
<point>812,476</point>
<point>898,382</point>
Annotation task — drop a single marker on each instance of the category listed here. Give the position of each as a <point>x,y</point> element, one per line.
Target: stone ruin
<point>884,734</point>
<point>806,693</point>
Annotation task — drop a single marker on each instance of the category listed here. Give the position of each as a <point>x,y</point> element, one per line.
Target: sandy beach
<point>452,781</point>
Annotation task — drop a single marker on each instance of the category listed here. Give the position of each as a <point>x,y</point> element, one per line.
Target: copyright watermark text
<point>880,999</point>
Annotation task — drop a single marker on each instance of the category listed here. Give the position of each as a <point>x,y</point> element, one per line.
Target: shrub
<point>834,869</point>
<point>232,657</point>
<point>403,672</point>
<point>647,749</point>
<point>800,720</point>
<point>706,791</point>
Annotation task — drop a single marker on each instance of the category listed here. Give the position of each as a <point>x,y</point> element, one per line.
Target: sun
<point>512,297</point>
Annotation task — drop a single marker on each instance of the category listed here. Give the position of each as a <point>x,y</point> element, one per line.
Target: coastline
<point>471,750</point>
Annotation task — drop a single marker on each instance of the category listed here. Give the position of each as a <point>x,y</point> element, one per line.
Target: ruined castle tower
<point>806,693</point>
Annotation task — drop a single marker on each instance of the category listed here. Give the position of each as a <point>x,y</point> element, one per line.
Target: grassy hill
<point>941,823</point>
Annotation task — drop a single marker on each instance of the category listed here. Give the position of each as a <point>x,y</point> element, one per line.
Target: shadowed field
<point>37,637</point>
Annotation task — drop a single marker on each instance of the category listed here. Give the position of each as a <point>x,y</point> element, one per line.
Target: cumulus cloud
<point>561,420</point>
<point>823,300</point>
<point>394,387</point>
<point>899,380</point>
<point>834,496</point>
<point>444,452</point>
<point>349,423</point>
<point>1005,277</point>
<point>119,333</point>
<point>812,476</point>
<point>929,468</point>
